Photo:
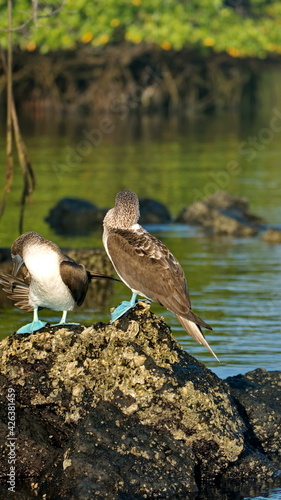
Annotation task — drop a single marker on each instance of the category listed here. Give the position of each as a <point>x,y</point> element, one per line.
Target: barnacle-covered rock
<point>121,411</point>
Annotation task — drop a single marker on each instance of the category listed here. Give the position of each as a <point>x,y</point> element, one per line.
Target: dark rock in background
<point>121,412</point>
<point>74,216</point>
<point>223,214</point>
<point>153,212</point>
<point>258,393</point>
<point>5,254</point>
<point>5,267</point>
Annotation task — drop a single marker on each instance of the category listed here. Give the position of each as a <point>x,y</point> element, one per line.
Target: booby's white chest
<point>47,288</point>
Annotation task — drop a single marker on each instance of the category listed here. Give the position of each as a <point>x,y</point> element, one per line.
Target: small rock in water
<point>223,214</point>
<point>153,212</point>
<point>272,235</point>
<point>74,216</point>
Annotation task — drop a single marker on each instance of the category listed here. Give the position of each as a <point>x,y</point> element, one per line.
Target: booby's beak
<point>17,263</point>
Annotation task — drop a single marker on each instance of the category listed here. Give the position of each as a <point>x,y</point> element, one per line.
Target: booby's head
<point>18,247</point>
<point>126,212</point>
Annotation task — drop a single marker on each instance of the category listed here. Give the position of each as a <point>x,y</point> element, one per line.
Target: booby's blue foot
<point>32,327</point>
<point>121,309</point>
<point>125,306</point>
<point>148,301</point>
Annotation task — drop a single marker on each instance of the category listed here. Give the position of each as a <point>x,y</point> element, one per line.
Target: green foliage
<point>203,25</point>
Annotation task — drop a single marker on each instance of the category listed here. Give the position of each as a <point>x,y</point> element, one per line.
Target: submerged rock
<point>153,212</point>
<point>272,235</point>
<point>74,216</point>
<point>121,411</point>
<point>223,214</point>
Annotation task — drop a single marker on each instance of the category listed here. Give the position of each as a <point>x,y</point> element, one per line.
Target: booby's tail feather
<point>198,321</point>
<point>17,290</point>
<point>92,275</point>
<point>195,332</point>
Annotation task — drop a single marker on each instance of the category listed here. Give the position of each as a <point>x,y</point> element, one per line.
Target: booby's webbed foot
<point>32,327</point>
<point>125,306</point>
<point>121,310</point>
<point>148,301</point>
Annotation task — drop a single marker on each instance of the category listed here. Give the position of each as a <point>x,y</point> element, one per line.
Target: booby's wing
<point>91,274</point>
<point>17,290</point>
<point>146,265</point>
<point>75,277</point>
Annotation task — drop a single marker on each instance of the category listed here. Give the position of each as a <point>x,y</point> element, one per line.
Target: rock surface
<point>122,412</point>
<point>259,393</point>
<point>223,214</point>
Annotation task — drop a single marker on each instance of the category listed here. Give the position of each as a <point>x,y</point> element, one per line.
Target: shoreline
<point>123,79</point>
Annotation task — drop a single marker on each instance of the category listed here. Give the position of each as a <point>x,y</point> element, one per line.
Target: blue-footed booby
<point>52,280</point>
<point>147,266</point>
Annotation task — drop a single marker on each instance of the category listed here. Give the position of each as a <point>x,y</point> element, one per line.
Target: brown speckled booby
<point>53,280</point>
<point>147,266</point>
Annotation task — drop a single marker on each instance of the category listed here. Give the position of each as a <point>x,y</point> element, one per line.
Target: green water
<point>234,283</point>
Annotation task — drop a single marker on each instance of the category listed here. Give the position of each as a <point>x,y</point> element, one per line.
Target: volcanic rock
<point>120,411</point>
<point>222,214</point>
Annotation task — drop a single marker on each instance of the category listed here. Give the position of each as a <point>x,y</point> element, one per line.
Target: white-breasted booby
<point>147,266</point>
<point>52,280</point>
